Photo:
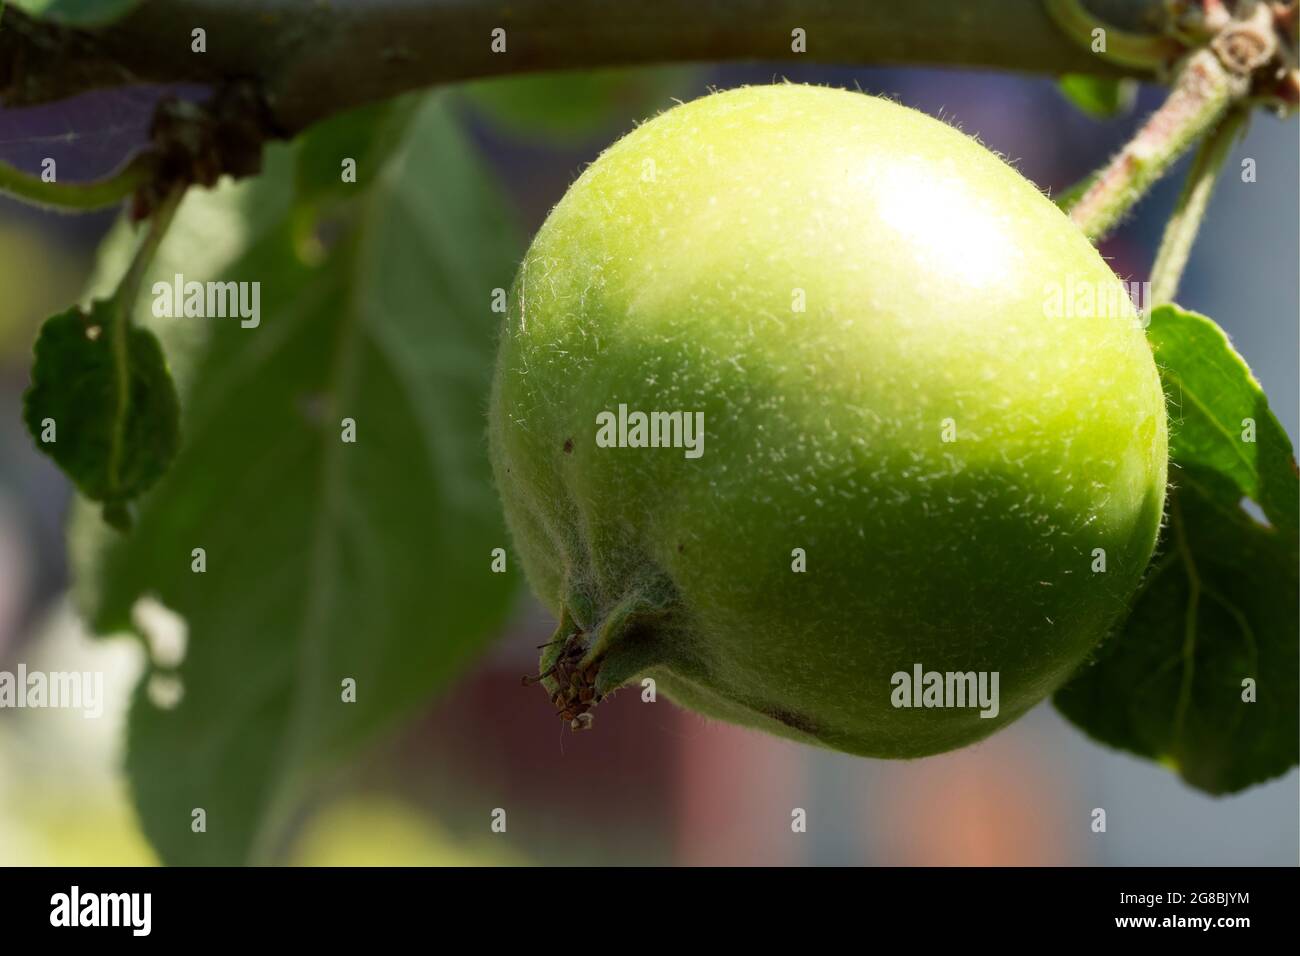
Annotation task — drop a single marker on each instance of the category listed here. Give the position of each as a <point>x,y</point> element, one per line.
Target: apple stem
<point>1180,231</point>
<point>1208,83</point>
<point>1202,94</point>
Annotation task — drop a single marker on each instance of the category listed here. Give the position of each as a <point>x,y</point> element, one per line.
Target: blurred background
<point>652,785</point>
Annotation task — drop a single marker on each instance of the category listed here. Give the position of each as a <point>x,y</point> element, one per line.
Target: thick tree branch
<point>313,58</point>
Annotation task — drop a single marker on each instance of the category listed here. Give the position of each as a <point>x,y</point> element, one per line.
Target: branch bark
<point>312,59</point>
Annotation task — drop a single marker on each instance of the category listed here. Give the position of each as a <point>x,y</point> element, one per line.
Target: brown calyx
<point>575,691</point>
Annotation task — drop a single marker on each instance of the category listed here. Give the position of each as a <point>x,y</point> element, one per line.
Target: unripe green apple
<point>933,433</point>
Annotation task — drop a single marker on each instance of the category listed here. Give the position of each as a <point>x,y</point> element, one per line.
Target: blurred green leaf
<point>1218,605</point>
<point>577,105</point>
<point>79,13</point>
<point>40,275</point>
<point>102,405</point>
<point>1100,97</point>
<point>325,560</point>
<point>364,135</point>
<point>213,229</point>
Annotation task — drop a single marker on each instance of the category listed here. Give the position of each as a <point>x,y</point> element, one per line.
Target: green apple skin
<point>669,277</point>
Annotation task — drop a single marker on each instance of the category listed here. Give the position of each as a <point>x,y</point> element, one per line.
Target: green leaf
<point>571,106</point>
<point>1218,606</point>
<point>1216,401</point>
<point>1100,97</point>
<point>77,13</point>
<point>326,561</point>
<point>364,135</point>
<point>103,405</point>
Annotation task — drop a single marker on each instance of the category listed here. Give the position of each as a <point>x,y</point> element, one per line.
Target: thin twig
<point>123,304</point>
<point>75,197</point>
<point>1200,97</point>
<point>1153,51</point>
<point>1180,231</point>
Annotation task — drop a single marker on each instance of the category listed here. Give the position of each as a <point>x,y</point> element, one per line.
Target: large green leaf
<point>364,136</point>
<point>80,13</point>
<point>1218,607</point>
<point>325,560</point>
